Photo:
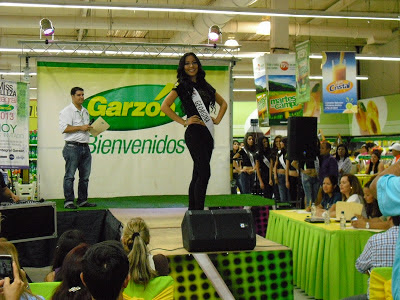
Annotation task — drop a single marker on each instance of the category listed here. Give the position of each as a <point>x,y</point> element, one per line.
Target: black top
<point>281,152</point>
<point>246,158</point>
<point>2,186</point>
<point>260,159</point>
<point>206,92</point>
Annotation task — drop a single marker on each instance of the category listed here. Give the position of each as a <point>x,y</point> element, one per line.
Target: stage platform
<point>263,273</point>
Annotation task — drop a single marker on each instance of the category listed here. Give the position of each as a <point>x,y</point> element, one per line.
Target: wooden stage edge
<point>165,230</point>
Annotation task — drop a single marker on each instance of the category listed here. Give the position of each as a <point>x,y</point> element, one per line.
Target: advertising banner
<point>260,81</point>
<point>339,82</point>
<point>281,84</point>
<point>14,125</point>
<point>143,152</point>
<point>303,72</point>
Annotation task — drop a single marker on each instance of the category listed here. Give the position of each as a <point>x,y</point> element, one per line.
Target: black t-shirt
<point>246,161</point>
<point>206,92</point>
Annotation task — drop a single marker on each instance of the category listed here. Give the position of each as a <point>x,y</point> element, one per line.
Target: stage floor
<point>165,229</point>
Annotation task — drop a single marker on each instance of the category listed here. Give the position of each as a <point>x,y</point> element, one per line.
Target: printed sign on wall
<point>339,82</point>
<point>260,81</point>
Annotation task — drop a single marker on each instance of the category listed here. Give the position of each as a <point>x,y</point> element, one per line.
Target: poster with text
<point>339,82</point>
<point>260,81</point>
<point>303,72</point>
<point>281,84</point>
<point>14,125</point>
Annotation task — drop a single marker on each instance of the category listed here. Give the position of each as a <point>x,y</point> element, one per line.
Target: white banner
<point>14,125</point>
<point>143,152</point>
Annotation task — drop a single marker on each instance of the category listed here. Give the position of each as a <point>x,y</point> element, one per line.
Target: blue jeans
<point>77,157</point>
<point>283,190</point>
<point>311,187</point>
<point>246,182</point>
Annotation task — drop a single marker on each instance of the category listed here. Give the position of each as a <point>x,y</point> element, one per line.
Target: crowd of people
<point>105,270</point>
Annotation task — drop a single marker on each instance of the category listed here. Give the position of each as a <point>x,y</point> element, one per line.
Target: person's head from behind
<point>329,185</point>
<point>349,185</point>
<point>396,220</point>
<point>105,270</point>
<point>325,148</point>
<point>135,238</point>
<point>71,286</point>
<point>189,67</point>
<point>67,241</point>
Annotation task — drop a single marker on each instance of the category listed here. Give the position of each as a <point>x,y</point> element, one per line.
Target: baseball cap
<point>395,146</point>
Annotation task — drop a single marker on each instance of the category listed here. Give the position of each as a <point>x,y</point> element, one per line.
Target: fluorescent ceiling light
<point>203,10</point>
<point>311,77</point>
<point>357,77</point>
<point>244,90</point>
<point>16,73</point>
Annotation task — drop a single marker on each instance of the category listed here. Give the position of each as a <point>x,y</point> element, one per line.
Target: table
<point>323,255</point>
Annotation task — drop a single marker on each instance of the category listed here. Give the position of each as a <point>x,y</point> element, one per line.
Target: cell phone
<point>6,269</point>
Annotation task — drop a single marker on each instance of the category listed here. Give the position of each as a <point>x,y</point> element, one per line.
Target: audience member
<point>71,286</point>
<point>375,165</point>
<point>142,265</point>
<point>374,219</point>
<point>330,194</point>
<point>14,291</point>
<point>67,241</point>
<point>263,166</point>
<point>351,191</point>
<point>378,252</point>
<point>386,188</point>
<point>327,164</point>
<point>343,160</point>
<point>105,270</point>
<point>395,148</point>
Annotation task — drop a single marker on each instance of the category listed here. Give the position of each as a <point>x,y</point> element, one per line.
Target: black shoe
<point>87,204</point>
<point>71,206</point>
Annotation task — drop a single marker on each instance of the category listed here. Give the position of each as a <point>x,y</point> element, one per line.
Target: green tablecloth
<point>323,255</point>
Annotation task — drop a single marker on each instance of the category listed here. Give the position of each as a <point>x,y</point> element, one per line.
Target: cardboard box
<point>29,221</point>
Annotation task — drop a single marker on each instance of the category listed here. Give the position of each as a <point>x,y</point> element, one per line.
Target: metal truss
<point>124,50</point>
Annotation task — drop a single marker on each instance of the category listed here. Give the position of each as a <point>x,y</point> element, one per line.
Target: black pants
<point>200,144</point>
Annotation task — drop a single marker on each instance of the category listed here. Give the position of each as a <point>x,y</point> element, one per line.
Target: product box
<point>28,221</point>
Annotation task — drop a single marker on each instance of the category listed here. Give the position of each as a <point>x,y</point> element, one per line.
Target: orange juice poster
<point>281,84</point>
<point>339,82</point>
<point>261,90</point>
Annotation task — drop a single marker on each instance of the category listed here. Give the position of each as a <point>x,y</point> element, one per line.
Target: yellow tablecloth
<point>323,255</point>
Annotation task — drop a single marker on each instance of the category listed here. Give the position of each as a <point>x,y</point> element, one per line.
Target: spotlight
<point>46,27</point>
<point>231,42</point>
<point>264,28</point>
<point>214,34</point>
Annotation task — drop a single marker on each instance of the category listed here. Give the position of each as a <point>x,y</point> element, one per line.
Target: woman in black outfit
<point>199,140</point>
<point>264,166</point>
<point>248,166</point>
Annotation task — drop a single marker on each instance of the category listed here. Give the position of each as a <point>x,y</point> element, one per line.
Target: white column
<point>279,42</point>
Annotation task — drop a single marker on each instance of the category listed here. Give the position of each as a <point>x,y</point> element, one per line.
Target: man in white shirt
<point>395,148</point>
<point>74,124</point>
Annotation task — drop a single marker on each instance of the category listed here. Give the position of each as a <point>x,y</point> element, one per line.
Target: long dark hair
<point>378,154</point>
<point>346,152</point>
<point>372,209</point>
<point>261,149</point>
<point>246,144</point>
<point>185,80</point>
<point>71,286</point>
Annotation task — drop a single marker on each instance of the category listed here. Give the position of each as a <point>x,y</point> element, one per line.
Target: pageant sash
<point>266,162</point>
<point>204,115</point>
<point>282,161</point>
<point>250,156</point>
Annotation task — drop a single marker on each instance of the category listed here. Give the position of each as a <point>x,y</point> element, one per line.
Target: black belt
<point>76,143</point>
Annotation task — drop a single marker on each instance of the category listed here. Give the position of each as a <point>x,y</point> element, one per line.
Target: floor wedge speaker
<point>218,230</point>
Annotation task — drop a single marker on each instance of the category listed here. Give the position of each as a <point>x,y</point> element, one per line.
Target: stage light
<point>264,28</point>
<point>214,34</point>
<point>46,27</point>
<point>231,42</point>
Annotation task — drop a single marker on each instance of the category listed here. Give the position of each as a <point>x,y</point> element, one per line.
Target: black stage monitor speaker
<point>302,138</point>
<point>218,230</point>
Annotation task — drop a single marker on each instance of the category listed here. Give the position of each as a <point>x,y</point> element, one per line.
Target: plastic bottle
<point>313,210</point>
<point>255,130</point>
<point>327,217</point>
<point>342,221</point>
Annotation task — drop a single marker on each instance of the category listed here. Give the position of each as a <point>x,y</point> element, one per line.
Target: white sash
<point>250,156</point>
<point>266,162</point>
<point>282,161</point>
<point>201,108</point>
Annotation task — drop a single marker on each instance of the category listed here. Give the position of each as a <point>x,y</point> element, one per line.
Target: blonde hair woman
<point>7,248</point>
<point>143,266</point>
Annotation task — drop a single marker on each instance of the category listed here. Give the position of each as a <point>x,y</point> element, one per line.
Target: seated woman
<point>375,165</point>
<point>7,248</point>
<point>67,241</point>
<point>330,194</point>
<point>71,286</point>
<point>351,191</point>
<point>374,219</point>
<point>143,265</point>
